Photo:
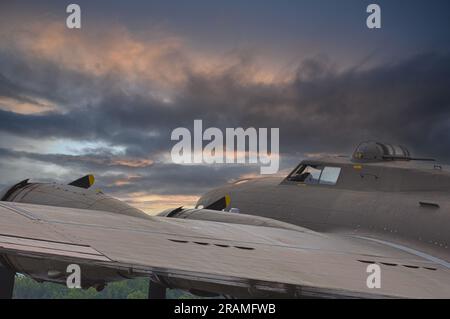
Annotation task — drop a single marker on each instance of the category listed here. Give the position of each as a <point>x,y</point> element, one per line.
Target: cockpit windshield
<point>315,174</point>
<point>306,174</point>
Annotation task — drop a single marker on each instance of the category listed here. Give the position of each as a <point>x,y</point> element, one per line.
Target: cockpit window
<point>314,174</point>
<point>330,175</point>
<point>306,174</point>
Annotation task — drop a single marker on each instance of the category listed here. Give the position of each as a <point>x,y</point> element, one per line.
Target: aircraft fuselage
<point>396,203</point>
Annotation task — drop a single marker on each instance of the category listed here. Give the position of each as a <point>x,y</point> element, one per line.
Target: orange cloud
<point>105,51</point>
<point>130,162</point>
<point>125,181</point>
<point>25,106</point>
<point>157,61</point>
<point>153,204</point>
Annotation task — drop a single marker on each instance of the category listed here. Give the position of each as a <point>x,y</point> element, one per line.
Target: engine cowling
<point>60,195</point>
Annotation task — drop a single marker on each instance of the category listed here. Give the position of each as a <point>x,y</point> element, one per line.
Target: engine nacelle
<point>59,195</point>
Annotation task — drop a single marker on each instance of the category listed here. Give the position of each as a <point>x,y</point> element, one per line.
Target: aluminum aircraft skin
<point>311,234</point>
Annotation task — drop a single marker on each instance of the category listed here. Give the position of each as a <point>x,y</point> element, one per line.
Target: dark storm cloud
<point>320,110</point>
<point>11,90</point>
<point>106,85</point>
<point>27,79</point>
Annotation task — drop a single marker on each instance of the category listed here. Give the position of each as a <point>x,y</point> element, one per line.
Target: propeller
<point>84,182</point>
<point>220,204</point>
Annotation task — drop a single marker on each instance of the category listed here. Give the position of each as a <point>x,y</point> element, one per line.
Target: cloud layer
<point>127,93</point>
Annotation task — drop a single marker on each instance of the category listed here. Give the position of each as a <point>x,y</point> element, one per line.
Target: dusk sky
<point>104,99</point>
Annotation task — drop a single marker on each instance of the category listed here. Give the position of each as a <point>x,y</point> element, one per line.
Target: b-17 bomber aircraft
<point>312,234</point>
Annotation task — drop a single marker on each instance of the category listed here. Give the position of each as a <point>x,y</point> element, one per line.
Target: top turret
<point>371,151</point>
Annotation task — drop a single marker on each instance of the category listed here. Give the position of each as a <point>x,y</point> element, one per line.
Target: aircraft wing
<point>239,260</point>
